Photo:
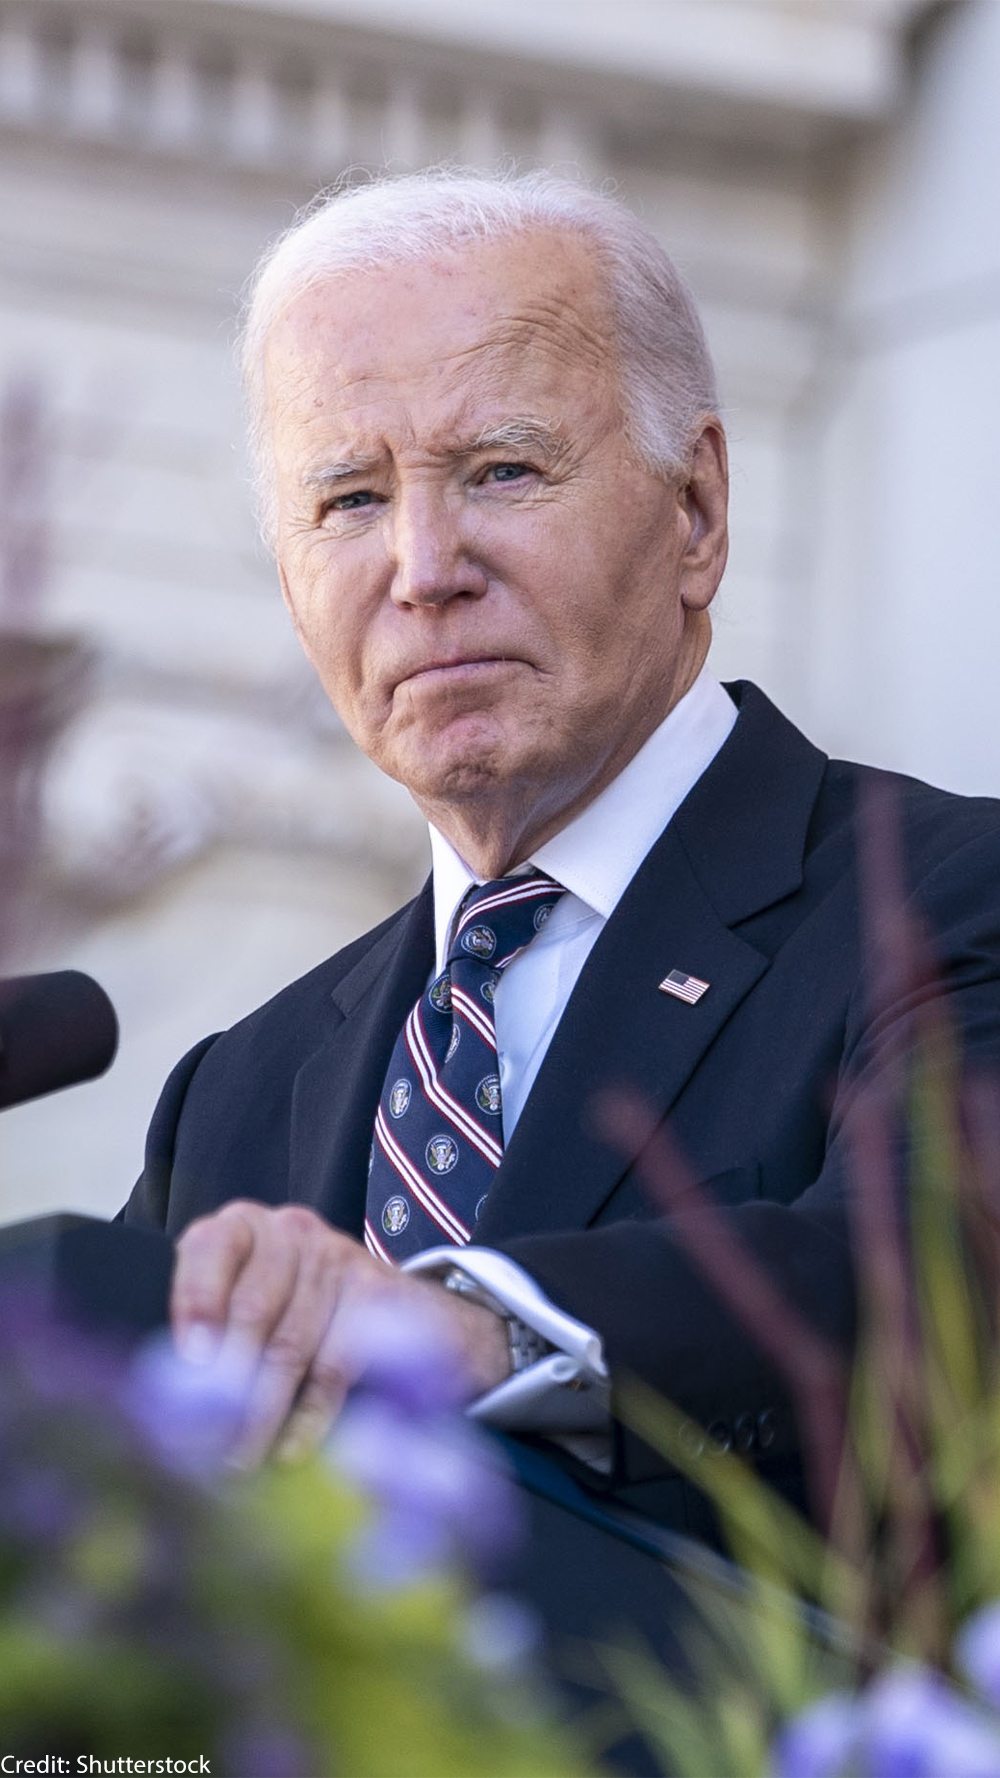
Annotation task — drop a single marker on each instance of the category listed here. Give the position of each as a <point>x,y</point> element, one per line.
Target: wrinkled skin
<point>502,603</point>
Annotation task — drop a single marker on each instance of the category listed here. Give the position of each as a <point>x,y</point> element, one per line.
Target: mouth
<point>454,670</point>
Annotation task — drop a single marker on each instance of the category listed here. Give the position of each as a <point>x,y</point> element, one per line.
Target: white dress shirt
<point>595,857</point>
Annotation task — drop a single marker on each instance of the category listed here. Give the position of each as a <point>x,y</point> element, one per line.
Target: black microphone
<point>55,1030</point>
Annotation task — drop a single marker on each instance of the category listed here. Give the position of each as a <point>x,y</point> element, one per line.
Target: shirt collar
<point>596,855</point>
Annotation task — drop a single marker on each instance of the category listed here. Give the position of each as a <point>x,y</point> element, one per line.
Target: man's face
<point>492,590</point>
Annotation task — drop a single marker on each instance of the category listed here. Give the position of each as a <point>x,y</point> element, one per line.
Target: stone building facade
<point>821,169</point>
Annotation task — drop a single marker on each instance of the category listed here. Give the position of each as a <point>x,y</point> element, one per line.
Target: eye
<point>507,472</point>
<point>350,502</point>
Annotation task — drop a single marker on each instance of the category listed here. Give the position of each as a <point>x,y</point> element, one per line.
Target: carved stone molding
<point>314,86</point>
<point>176,82</point>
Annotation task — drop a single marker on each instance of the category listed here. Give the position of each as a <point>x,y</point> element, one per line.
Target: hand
<point>274,1289</point>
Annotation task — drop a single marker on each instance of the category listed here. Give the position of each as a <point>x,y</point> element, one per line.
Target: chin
<point>453,761</point>
<point>458,771</point>
<point>460,780</point>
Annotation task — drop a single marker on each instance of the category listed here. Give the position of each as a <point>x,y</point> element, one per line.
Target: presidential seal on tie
<point>439,993</point>
<point>395,1216</point>
<point>479,941</point>
<point>441,1154</point>
<point>488,1094</point>
<point>399,1098</point>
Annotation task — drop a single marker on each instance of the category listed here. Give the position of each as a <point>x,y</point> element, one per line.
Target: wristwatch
<point>526,1346</point>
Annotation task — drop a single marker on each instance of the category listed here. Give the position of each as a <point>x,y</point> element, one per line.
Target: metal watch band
<point>525,1345</point>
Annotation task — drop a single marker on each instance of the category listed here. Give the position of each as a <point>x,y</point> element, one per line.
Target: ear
<point>705,497</point>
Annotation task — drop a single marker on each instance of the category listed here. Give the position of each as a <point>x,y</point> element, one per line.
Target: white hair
<point>667,377</point>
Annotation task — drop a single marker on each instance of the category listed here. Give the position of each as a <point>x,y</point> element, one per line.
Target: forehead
<point>485,323</point>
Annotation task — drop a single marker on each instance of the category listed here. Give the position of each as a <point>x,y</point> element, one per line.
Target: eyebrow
<point>531,435</point>
<point>328,475</point>
<point>509,435</point>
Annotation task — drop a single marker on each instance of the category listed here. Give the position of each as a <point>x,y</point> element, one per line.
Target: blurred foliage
<point>154,1603</point>
<point>865,1643</point>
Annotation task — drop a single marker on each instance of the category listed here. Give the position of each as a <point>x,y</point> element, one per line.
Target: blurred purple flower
<point>910,1724</point>
<point>189,1414</point>
<point>268,1750</point>
<point>501,1634</point>
<point>977,1652</point>
<point>918,1726</point>
<point>399,1549</point>
<point>406,1357</point>
<point>439,1489</point>
<point>39,1506</point>
<point>820,1742</point>
<point>435,1481</point>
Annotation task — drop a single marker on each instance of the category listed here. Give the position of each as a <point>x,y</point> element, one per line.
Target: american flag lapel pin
<point>684,987</point>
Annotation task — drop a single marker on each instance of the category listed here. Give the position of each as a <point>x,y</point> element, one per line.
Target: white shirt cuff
<point>565,1391</point>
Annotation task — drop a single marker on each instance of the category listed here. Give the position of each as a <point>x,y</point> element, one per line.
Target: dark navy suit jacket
<point>754,888</point>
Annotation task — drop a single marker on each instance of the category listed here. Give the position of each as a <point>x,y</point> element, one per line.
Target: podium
<point>99,1275</point>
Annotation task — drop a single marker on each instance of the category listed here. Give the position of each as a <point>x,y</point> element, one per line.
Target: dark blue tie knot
<point>498,919</point>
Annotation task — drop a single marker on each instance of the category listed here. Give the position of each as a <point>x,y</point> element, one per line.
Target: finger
<point>211,1254</point>
<point>319,1401</point>
<point>335,1367</point>
<point>293,1350</point>
<point>261,1293</point>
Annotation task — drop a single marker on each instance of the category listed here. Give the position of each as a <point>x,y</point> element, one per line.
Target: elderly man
<point>494,478</point>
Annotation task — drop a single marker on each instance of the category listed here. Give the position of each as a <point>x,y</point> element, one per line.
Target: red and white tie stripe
<point>439,1131</point>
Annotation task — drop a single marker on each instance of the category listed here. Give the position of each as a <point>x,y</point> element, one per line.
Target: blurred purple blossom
<point>39,1506</point>
<point>190,1415</point>
<point>909,1724</point>
<point>820,1742</point>
<point>918,1726</point>
<point>977,1652</point>
<point>406,1357</point>
<point>437,1483</point>
<point>501,1634</point>
<point>268,1750</point>
<point>114,1535</point>
<point>439,1490</point>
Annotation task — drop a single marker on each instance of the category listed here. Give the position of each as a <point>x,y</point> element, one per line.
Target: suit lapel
<point>735,847</point>
<point>620,1031</point>
<point>337,1090</point>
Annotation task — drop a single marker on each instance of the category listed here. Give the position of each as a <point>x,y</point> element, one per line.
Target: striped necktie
<point>439,1131</point>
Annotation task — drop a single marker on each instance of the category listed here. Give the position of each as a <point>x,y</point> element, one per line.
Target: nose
<point>432,555</point>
